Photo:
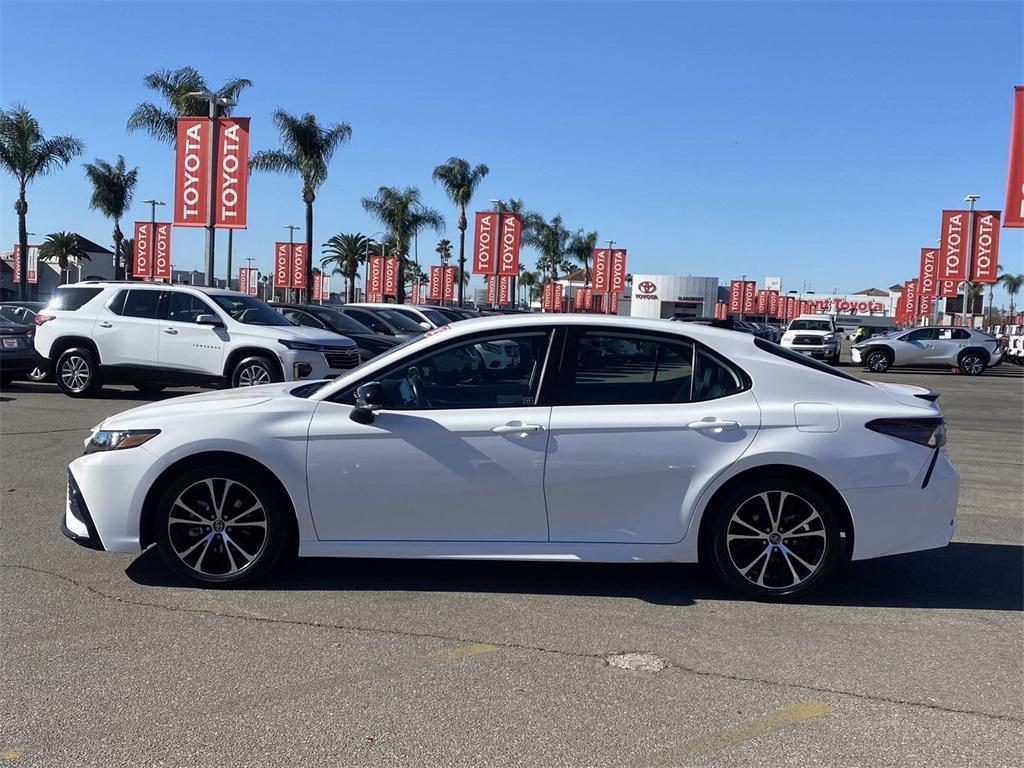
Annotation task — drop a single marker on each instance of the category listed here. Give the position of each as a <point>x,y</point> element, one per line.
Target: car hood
<point>195,406</point>
<point>311,335</point>
<point>909,394</point>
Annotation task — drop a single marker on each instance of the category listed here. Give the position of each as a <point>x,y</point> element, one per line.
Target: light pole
<point>152,235</point>
<point>291,247</point>
<point>366,259</point>
<point>214,101</point>
<point>743,293</point>
<point>970,199</point>
<point>608,278</point>
<point>499,206</point>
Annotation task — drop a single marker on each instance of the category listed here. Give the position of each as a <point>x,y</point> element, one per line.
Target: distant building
<point>99,265</point>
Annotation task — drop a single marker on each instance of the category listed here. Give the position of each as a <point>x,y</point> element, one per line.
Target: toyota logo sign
<point>647,287</point>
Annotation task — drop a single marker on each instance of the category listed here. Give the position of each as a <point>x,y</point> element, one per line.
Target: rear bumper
<point>18,361</point>
<point>910,518</point>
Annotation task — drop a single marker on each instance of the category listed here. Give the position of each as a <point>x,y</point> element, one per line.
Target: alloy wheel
<point>76,373</point>
<point>972,365</point>
<point>253,375</point>
<point>217,527</point>
<point>37,374</point>
<point>776,540</point>
<point>878,362</point>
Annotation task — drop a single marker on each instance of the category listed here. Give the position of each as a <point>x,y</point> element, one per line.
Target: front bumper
<point>855,355</point>
<point>817,352</point>
<point>294,362</point>
<point>76,523</point>
<point>909,518</point>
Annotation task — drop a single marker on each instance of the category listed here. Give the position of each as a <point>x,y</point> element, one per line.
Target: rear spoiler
<point>931,395</point>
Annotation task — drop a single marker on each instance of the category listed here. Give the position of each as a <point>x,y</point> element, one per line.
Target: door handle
<point>717,425</point>
<point>518,429</point>
<point>105,324</point>
<point>171,331</point>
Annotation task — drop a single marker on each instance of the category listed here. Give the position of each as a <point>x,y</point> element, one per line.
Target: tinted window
<point>70,299</point>
<point>804,360</point>
<point>496,372</point>
<point>301,318</point>
<point>185,308</point>
<point>921,334</point>
<point>437,318</point>
<point>246,309</point>
<point>616,369</point>
<point>141,303</point>
<point>13,314</point>
<point>116,304</point>
<point>810,325</point>
<point>399,320</point>
<point>340,322</point>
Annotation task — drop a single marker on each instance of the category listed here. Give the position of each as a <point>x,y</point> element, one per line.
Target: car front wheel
<point>877,362</point>
<point>775,539</point>
<point>221,525</point>
<point>253,371</point>
<point>77,373</point>
<point>972,364</point>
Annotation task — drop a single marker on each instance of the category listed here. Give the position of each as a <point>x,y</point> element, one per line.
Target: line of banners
<point>31,265</point>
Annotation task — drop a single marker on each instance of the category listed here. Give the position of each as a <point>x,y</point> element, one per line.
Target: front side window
<point>186,308</point>
<point>493,372</point>
<point>141,303</point>
<point>921,334</point>
<point>246,309</point>
<point>612,369</point>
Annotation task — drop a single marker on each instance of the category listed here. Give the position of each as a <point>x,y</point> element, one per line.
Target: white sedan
<point>697,444</point>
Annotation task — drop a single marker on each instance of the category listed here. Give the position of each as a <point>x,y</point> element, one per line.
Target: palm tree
<point>26,153</point>
<point>581,249</point>
<point>127,255</point>
<point>306,149</point>
<point>444,250</point>
<point>550,238</point>
<point>174,87</point>
<point>460,182</point>
<point>112,189</point>
<point>61,247</point>
<point>991,287</point>
<point>530,281</point>
<point>1012,285</point>
<point>345,252</point>
<point>402,215</point>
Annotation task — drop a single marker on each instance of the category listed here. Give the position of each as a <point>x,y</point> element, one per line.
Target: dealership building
<point>662,296</point>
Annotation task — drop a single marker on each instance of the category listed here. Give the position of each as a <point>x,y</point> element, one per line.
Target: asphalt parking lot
<point>107,660</point>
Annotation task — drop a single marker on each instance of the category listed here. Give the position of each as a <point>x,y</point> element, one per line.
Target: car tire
<point>253,371</point>
<point>149,386</point>
<point>241,525</point>
<point>877,361</point>
<point>972,363</point>
<point>775,539</point>
<point>77,373</point>
<point>38,375</point>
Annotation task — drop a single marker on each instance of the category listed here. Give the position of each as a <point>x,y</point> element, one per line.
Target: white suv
<point>814,336</point>
<point>154,335</point>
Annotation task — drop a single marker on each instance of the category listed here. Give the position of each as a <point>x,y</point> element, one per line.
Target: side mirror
<point>425,325</point>
<point>211,320</point>
<point>369,398</point>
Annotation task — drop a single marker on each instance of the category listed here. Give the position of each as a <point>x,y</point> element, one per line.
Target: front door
<point>454,455</point>
<point>187,348</point>
<point>642,423</point>
<point>916,347</point>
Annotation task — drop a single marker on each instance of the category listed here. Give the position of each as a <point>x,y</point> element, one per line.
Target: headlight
<point>299,345</point>
<point>118,440</point>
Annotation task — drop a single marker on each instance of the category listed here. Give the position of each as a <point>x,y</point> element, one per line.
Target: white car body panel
<point>635,480</point>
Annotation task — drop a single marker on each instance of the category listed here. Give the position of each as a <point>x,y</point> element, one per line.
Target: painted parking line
<point>738,734</point>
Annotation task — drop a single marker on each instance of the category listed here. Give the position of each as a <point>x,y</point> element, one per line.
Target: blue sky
<point>817,141</point>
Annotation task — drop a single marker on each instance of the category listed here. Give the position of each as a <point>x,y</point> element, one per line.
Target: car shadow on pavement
<point>121,392</point>
<point>960,576</point>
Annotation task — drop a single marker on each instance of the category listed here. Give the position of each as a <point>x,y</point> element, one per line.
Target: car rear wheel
<point>38,374</point>
<point>253,371</point>
<point>877,362</point>
<point>972,364</point>
<point>221,525</point>
<point>775,539</point>
<point>77,373</point>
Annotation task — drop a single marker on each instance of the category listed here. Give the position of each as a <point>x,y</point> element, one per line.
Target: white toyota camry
<point>609,439</point>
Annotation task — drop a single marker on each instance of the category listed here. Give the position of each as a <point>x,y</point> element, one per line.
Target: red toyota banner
<point>511,230</point>
<point>390,276</point>
<point>298,265</point>
<point>142,261</point>
<point>721,310</point>
<point>489,284</point>
<point>161,254</point>
<point>31,264</point>
<point>927,280</point>
<point>949,288</point>
<point>773,303</point>
<point>232,172</point>
<point>791,307</point>
<point>547,302</point>
<point>497,289</point>
<point>17,264</point>
<point>749,303</point>
<point>613,304</point>
<point>436,278</point>
<point>243,279</point>
<point>375,276</point>
<point>762,302</point>
<point>600,272</point>
<point>448,287</point>
<point>925,309</point>
<point>318,287</point>
<point>953,246</point>
<point>617,270</point>
<point>192,172</point>
<point>485,240</point>
<point>1015,169</point>
<point>911,301</point>
<point>736,296</point>
<point>583,301</point>
<point>282,265</point>
<point>986,246</point>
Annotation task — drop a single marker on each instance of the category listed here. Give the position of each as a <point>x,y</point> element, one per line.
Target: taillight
<point>927,432</point>
<point>41,318</point>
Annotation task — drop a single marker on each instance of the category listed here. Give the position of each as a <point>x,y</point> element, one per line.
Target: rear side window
<point>142,303</point>
<point>809,362</point>
<point>116,304</point>
<point>945,334</point>
<point>70,299</point>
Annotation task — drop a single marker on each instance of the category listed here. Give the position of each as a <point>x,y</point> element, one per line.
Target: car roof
<point>208,290</point>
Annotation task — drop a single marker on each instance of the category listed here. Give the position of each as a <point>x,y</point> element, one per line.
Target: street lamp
<point>291,247</point>
<point>214,101</point>
<point>152,235</point>
<point>971,200</point>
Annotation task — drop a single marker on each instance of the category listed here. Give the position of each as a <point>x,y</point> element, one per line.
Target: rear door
<point>641,423</point>
<point>127,330</point>
<point>948,344</point>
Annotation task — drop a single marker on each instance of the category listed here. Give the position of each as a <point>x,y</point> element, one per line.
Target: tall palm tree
<point>1012,285</point>
<point>173,86</point>
<point>127,255</point>
<point>345,252</point>
<point>113,187</point>
<point>26,153</point>
<point>581,249</point>
<point>991,288</point>
<point>460,182</point>
<point>402,215</point>
<point>444,250</point>
<point>306,150</point>
<point>530,281</point>
<point>61,247</point>
<point>550,238</point>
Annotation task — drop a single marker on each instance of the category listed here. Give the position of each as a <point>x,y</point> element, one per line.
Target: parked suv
<point>154,335</point>
<point>814,336</point>
<point>970,350</point>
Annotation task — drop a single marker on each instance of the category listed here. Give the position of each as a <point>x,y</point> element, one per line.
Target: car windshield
<point>339,321</point>
<point>398,320</point>
<point>436,317</point>
<point>810,325</point>
<point>246,309</point>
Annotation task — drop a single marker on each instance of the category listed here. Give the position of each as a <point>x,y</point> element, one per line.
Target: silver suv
<point>970,350</point>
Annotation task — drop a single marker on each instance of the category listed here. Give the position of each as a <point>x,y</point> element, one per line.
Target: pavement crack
<point>601,657</point>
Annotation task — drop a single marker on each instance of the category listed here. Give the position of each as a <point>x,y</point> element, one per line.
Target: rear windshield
<point>810,325</point>
<point>796,357</point>
<point>70,299</point>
